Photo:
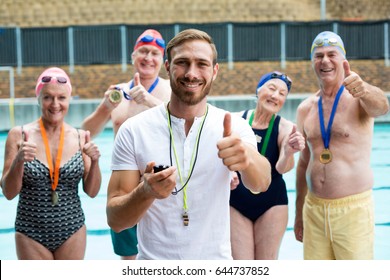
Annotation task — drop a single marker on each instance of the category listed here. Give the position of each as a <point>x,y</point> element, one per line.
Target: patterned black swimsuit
<point>36,217</point>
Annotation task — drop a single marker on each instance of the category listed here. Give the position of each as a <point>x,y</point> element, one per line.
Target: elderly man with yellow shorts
<point>334,204</point>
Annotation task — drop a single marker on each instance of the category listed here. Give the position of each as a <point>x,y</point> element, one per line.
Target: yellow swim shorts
<point>339,229</point>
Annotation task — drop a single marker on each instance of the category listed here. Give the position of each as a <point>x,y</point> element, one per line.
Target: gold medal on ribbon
<point>54,198</point>
<point>115,96</point>
<point>54,171</point>
<point>326,156</point>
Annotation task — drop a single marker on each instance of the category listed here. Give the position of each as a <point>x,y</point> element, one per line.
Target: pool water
<point>98,237</point>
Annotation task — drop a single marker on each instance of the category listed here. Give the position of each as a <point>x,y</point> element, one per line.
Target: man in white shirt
<point>183,211</point>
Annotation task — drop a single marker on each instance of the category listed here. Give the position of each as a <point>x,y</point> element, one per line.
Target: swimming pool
<point>98,237</point>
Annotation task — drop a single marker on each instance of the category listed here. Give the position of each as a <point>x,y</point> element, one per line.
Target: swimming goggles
<point>47,79</point>
<point>283,77</point>
<point>320,42</point>
<point>149,39</point>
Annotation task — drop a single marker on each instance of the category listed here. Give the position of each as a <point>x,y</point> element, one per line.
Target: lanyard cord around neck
<point>268,133</point>
<point>54,172</point>
<point>193,157</point>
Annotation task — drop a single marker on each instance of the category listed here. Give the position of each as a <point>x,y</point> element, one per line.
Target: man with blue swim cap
<point>334,204</point>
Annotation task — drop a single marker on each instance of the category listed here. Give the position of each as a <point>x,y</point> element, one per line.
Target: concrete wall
<point>42,13</point>
<point>27,110</point>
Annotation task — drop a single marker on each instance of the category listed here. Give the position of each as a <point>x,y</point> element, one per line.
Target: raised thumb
<point>294,129</point>
<point>347,68</point>
<point>227,125</point>
<point>136,79</point>
<point>87,136</point>
<point>25,135</point>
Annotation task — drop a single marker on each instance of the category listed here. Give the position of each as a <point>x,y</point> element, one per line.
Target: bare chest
<point>342,127</point>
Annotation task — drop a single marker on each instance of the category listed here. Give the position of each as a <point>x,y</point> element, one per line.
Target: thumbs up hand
<point>27,151</point>
<point>296,141</point>
<point>87,136</point>
<point>227,125</point>
<point>137,80</point>
<point>353,82</point>
<point>231,149</point>
<point>138,93</point>
<point>90,148</point>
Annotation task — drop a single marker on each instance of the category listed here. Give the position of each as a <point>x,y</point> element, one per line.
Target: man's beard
<point>188,97</point>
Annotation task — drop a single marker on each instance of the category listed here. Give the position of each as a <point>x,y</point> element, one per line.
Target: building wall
<point>39,13</point>
<point>358,9</point>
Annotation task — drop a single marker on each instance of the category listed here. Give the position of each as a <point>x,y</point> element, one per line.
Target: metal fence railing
<point>112,44</point>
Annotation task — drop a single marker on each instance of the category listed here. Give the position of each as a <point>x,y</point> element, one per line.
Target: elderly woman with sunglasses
<point>44,162</point>
<point>259,220</point>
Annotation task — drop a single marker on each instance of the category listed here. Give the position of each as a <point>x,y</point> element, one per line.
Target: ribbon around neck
<point>326,133</point>
<point>268,133</point>
<point>54,172</point>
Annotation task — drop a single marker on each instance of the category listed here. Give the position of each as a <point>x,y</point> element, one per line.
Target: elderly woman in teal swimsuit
<point>258,221</point>
<point>44,162</point>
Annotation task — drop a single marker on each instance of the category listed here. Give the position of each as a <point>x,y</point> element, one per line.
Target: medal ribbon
<point>268,133</point>
<point>54,174</point>
<point>326,133</point>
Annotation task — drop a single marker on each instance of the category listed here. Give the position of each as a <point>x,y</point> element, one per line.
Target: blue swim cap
<point>274,75</point>
<point>328,38</point>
